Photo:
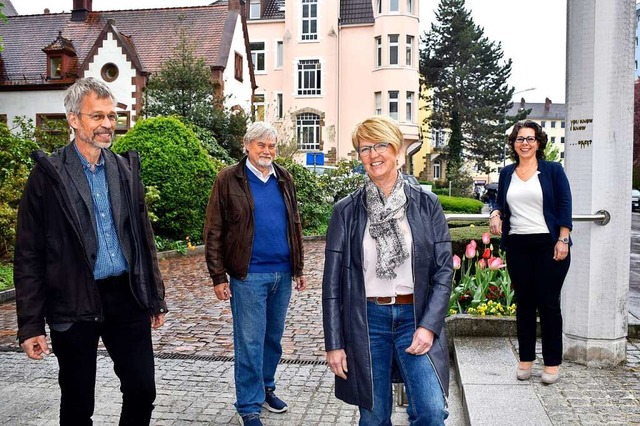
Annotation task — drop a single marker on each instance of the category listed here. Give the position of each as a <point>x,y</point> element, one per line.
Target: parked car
<point>320,170</point>
<point>410,179</point>
<point>635,200</point>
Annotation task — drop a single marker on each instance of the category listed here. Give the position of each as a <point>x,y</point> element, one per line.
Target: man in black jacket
<point>85,262</point>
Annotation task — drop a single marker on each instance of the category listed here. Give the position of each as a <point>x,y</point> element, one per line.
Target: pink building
<point>321,66</point>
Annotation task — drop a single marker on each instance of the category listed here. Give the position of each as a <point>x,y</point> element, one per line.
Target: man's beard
<point>265,162</point>
<point>92,140</point>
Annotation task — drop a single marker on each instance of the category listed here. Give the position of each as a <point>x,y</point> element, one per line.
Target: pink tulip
<point>495,263</point>
<point>473,243</point>
<point>482,264</point>
<point>487,253</point>
<point>486,238</point>
<point>456,262</point>
<point>470,251</point>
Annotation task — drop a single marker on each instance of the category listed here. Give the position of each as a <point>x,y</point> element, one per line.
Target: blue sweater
<point>556,199</point>
<point>270,240</point>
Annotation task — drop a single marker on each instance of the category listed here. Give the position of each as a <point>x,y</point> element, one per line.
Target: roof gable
<point>356,12</point>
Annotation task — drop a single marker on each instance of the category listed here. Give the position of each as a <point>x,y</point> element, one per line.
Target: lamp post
<point>504,152</point>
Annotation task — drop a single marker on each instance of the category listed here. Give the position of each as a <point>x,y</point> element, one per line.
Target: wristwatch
<point>564,240</point>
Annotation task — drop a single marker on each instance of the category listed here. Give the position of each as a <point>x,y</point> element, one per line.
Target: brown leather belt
<point>401,299</point>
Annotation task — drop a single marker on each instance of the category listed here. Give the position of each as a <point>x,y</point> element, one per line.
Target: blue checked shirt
<point>110,261</point>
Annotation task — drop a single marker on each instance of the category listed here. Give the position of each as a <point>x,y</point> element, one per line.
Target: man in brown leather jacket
<point>253,235</point>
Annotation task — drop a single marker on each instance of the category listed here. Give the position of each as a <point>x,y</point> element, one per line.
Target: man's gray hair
<point>81,88</point>
<point>259,130</point>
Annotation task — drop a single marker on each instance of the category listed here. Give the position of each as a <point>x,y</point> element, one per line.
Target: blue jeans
<point>391,329</point>
<point>259,308</point>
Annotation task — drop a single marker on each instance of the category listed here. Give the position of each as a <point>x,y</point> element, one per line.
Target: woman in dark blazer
<point>533,215</point>
<point>386,286</point>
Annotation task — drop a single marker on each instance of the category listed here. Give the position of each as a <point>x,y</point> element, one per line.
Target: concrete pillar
<point>599,147</point>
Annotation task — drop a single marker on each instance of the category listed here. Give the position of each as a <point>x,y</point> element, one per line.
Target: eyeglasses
<point>380,148</point>
<point>530,140</point>
<point>99,117</point>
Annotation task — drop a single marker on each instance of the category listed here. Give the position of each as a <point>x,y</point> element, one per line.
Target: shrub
<point>342,181</point>
<point>460,204</point>
<point>315,210</point>
<point>176,164</point>
<point>6,276</point>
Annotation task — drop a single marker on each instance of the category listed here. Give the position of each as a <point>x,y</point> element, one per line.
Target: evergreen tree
<point>183,87</point>
<point>470,95</point>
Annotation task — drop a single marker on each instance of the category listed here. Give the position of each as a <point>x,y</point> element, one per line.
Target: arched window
<point>437,167</point>
<point>308,131</point>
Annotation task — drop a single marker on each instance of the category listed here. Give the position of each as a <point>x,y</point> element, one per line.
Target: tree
<point>470,95</point>
<point>183,87</point>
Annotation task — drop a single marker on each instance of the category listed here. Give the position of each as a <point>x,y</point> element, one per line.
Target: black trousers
<point>126,334</point>
<point>537,280</point>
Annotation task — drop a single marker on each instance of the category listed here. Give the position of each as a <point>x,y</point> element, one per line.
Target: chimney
<point>236,5</point>
<point>81,9</point>
<point>547,104</point>
<point>522,103</point>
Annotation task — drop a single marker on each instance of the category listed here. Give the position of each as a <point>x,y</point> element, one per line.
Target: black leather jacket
<point>344,302</point>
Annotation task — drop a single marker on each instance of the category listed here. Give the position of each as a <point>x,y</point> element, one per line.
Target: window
<point>254,9</point>
<point>3,119</point>
<point>378,51</point>
<point>553,124</point>
<point>393,49</point>
<point>378,98</point>
<point>308,131</point>
<point>409,53</point>
<point>124,122</point>
<point>52,125</point>
<point>562,155</point>
<point>237,71</point>
<point>379,6</point>
<point>561,139</point>
<point>279,53</point>
<point>394,5</point>
<point>309,19</point>
<point>409,108</point>
<point>258,107</point>
<point>55,67</point>
<point>439,138</point>
<point>279,106</point>
<point>562,124</point>
<point>543,123</point>
<point>393,104</point>
<point>309,77</point>
<point>436,169</point>
<point>553,139</point>
<point>257,55</point>
<point>109,72</point>
<point>410,6</point>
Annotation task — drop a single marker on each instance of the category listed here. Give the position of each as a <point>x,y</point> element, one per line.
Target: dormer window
<point>254,9</point>
<point>55,67</point>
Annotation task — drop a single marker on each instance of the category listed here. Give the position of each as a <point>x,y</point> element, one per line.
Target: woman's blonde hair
<point>378,128</point>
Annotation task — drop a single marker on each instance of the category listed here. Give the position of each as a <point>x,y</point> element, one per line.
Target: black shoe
<point>273,403</point>
<point>251,420</point>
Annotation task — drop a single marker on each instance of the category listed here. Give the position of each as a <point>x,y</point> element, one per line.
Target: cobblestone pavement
<point>195,371</point>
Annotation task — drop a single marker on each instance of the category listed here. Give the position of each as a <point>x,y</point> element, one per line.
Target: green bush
<point>315,210</point>
<point>460,204</point>
<point>342,181</point>
<point>178,166</point>
<point>6,276</point>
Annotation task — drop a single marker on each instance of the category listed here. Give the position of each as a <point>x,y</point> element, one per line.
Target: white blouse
<point>525,203</point>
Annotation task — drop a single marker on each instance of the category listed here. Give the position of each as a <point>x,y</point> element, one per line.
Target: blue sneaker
<point>273,403</point>
<point>251,420</point>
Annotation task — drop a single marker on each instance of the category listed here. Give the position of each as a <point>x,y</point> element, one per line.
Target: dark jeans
<point>537,280</point>
<point>126,334</point>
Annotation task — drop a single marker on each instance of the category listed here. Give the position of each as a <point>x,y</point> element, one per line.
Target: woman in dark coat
<point>386,286</point>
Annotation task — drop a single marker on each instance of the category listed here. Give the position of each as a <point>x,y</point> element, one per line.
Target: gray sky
<point>532,33</point>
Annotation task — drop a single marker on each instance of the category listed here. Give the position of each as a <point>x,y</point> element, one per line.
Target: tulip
<point>470,251</point>
<point>456,262</point>
<point>473,243</point>
<point>495,263</point>
<point>486,238</point>
<point>482,264</point>
<point>487,253</point>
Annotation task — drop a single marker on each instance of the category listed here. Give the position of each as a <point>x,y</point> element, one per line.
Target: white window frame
<point>279,56</point>
<point>254,9</point>
<point>279,106</point>
<point>410,7</point>
<point>394,49</point>
<point>378,102</point>
<point>256,54</point>
<point>308,70</point>
<point>259,106</point>
<point>379,51</point>
<point>308,131</point>
<point>310,20</point>
<point>394,101</point>
<point>409,107</point>
<point>379,6</point>
<point>409,50</point>
<point>437,169</point>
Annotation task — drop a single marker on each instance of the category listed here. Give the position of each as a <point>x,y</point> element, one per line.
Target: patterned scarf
<point>383,226</point>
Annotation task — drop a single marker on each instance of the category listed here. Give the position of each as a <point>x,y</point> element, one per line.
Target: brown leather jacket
<point>229,225</point>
